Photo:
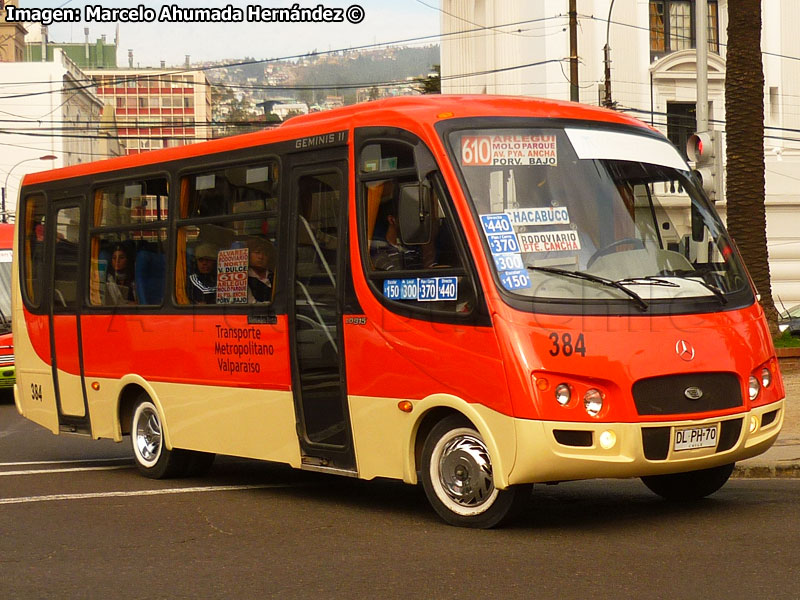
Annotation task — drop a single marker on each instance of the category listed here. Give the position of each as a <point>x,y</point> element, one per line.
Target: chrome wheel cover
<point>148,439</point>
<point>461,472</point>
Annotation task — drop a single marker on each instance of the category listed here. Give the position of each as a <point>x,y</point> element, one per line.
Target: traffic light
<point>704,150</point>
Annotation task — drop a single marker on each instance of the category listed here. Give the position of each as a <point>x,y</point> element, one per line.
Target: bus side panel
<point>390,358</point>
<point>35,394</point>
<point>206,349</point>
<point>224,385</point>
<point>252,423</point>
<point>410,359</point>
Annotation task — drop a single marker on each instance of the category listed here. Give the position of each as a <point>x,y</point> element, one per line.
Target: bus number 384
<point>36,392</point>
<point>564,344</point>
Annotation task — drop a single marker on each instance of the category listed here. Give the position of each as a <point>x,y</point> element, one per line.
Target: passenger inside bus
<point>259,274</point>
<point>203,282</point>
<point>120,285</point>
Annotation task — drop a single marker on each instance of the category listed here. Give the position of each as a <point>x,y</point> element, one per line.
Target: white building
<point>47,112</point>
<point>653,77</point>
<point>287,109</point>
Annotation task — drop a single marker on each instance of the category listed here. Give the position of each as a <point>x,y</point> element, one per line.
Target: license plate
<point>696,437</point>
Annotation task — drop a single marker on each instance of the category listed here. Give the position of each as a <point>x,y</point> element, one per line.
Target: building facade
<point>156,108</point>
<point>523,48</point>
<point>49,114</point>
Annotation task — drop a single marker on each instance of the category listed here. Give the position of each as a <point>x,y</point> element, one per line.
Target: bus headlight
<point>766,377</point>
<point>593,402</point>
<point>563,394</point>
<point>753,388</point>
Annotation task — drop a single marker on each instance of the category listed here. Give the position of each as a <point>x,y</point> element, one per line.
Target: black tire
<point>686,487</point>
<point>457,478</point>
<point>147,440</point>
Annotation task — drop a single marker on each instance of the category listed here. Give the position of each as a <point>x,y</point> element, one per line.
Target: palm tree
<point>744,105</point>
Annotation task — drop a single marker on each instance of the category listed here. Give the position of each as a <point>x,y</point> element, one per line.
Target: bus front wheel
<point>685,487</point>
<point>152,457</point>
<point>457,478</point>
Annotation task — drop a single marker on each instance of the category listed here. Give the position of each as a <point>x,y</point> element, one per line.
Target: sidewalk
<point>783,459</point>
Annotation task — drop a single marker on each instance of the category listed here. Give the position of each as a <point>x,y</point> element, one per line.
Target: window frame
<point>93,231</point>
<point>656,54</point>
<point>479,314</point>
<point>179,222</point>
<point>41,304</point>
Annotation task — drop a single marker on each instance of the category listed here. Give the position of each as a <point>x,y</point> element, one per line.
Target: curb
<point>767,471</point>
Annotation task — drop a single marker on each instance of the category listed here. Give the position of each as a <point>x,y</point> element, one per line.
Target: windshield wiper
<point>601,280</point>
<point>648,280</point>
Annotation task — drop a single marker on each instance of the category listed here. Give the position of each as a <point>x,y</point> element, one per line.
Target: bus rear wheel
<point>458,481</point>
<point>153,459</point>
<point>685,487</point>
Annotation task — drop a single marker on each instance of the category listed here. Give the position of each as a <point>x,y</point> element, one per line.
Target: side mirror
<point>414,214</point>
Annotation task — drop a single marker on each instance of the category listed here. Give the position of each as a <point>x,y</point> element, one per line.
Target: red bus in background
<point>475,293</point>
<point>7,378</point>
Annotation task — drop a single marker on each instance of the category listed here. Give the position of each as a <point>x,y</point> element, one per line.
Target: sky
<point>383,21</point>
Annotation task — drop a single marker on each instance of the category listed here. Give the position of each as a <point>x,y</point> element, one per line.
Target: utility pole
<point>701,29</point>
<point>607,102</point>
<point>705,146</point>
<point>573,51</point>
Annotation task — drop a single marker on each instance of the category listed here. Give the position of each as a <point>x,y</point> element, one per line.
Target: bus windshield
<point>600,215</point>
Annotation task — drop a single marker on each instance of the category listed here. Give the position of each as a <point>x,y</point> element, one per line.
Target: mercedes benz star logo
<point>685,350</point>
<point>693,393</point>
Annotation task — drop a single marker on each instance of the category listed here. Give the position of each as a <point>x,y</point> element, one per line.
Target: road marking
<point>70,470</point>
<point>65,462</point>
<point>186,490</point>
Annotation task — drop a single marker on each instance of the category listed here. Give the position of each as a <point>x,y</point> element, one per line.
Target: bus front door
<point>65,330</point>
<point>315,312</point>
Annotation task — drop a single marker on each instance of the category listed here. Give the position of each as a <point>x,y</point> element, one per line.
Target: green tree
<point>744,105</point>
<point>432,84</point>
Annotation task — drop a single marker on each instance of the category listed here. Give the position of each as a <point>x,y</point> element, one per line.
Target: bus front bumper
<point>562,451</point>
<point>7,377</point>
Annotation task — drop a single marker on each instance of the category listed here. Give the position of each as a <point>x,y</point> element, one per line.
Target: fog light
<point>753,388</point>
<point>563,394</point>
<point>753,424</point>
<point>766,377</point>
<point>593,402</point>
<point>608,440</point>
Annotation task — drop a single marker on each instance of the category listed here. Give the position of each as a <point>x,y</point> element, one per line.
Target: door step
<point>323,465</point>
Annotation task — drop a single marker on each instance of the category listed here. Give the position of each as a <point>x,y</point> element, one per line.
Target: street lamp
<point>5,184</point>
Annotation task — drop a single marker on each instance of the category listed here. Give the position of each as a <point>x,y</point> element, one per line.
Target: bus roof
<point>428,108</point>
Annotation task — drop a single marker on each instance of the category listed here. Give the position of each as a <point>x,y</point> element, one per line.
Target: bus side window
<point>227,236</point>
<point>426,274</point>
<point>127,264</point>
<point>33,265</point>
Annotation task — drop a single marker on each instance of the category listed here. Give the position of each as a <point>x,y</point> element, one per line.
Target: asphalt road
<point>93,528</point>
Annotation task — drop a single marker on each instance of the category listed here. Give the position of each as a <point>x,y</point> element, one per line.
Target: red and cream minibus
<point>475,293</point>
